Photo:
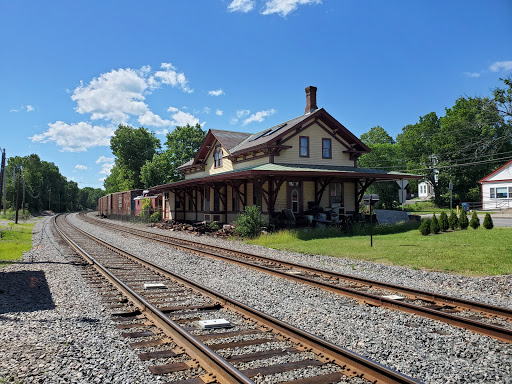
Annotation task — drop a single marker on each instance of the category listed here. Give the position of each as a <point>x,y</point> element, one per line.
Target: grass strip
<point>14,240</point>
<point>470,252</point>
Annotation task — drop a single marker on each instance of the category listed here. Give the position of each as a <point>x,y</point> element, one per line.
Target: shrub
<point>425,227</point>
<point>155,217</point>
<point>145,215</point>
<point>463,220</point>
<point>443,221</point>
<point>453,220</point>
<point>488,224</point>
<point>434,225</point>
<point>250,222</point>
<point>475,221</point>
<point>214,226</point>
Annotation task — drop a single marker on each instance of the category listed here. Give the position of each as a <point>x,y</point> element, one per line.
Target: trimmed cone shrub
<point>488,224</point>
<point>443,221</point>
<point>475,221</point>
<point>425,227</point>
<point>434,225</point>
<point>463,220</point>
<point>453,220</point>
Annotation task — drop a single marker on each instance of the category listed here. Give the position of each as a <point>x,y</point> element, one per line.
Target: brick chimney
<point>310,99</point>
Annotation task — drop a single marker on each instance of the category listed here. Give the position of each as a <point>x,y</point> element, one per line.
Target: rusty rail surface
<point>351,363</point>
<point>498,332</point>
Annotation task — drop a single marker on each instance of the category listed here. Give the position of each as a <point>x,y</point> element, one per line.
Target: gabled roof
<point>484,179</point>
<point>238,143</point>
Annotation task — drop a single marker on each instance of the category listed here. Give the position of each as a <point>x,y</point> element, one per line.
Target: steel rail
<point>207,358</point>
<point>352,363</point>
<point>491,330</point>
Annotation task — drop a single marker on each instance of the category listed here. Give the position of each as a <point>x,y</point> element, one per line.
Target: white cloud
<point>119,94</point>
<point>102,179</point>
<point>243,6</point>
<point>218,112</point>
<point>106,168</point>
<point>28,108</point>
<point>239,114</point>
<point>170,76</point>
<point>75,137</point>
<point>150,119</point>
<point>218,92</point>
<point>284,7</point>
<point>207,110</point>
<point>472,74</point>
<point>259,116</point>
<point>180,118</point>
<point>81,167</point>
<point>242,112</point>
<point>104,159</point>
<point>112,96</point>
<point>501,66</point>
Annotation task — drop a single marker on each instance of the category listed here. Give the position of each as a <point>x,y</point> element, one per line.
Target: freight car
<point>118,205</point>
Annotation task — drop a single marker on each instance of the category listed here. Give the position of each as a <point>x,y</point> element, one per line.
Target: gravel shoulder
<point>428,350</point>
<point>53,328</point>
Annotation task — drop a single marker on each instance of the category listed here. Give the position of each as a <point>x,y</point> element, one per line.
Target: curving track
<point>213,355</point>
<point>482,318</point>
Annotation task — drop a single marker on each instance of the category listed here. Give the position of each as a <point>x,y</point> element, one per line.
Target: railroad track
<point>478,317</point>
<point>256,348</point>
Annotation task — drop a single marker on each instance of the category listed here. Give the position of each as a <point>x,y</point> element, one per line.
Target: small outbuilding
<point>497,188</point>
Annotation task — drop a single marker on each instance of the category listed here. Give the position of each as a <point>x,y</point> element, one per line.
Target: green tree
<point>434,225</point>
<point>425,227</point>
<point>443,221</point>
<point>182,145</point>
<point>120,179</point>
<point>132,148</point>
<point>488,223</point>
<point>463,220</point>
<point>453,220</point>
<point>384,155</point>
<point>475,221</point>
<point>377,135</point>
<point>418,145</point>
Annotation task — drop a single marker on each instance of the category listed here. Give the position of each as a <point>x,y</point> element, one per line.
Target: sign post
<point>371,200</point>
<point>401,193</point>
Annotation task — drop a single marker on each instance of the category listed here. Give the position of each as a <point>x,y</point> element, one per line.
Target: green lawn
<point>14,240</point>
<point>470,252</point>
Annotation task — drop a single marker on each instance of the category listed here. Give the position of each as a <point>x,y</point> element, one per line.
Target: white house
<point>497,188</point>
<point>425,190</point>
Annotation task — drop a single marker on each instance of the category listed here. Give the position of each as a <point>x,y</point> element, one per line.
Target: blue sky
<point>72,71</point>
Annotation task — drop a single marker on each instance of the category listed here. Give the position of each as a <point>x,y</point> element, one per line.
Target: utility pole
<point>49,198</point>
<point>23,204</point>
<point>17,195</point>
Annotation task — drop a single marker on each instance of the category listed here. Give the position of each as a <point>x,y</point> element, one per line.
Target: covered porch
<point>295,188</point>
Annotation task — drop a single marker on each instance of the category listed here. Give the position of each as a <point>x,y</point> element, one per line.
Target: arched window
<point>217,158</point>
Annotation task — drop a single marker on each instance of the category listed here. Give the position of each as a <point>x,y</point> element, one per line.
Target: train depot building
<point>305,167</point>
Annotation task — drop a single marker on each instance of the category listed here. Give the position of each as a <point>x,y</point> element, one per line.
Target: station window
<point>335,193</point>
<point>326,149</point>
<point>304,146</point>
<point>217,158</point>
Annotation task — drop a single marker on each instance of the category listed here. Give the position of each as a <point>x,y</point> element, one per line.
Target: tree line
<point>45,187</point>
<point>472,139</point>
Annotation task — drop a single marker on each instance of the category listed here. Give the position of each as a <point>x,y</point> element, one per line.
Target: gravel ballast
<point>427,350</point>
<point>53,328</point>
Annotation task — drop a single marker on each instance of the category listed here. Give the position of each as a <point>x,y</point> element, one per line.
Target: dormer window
<point>217,158</point>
